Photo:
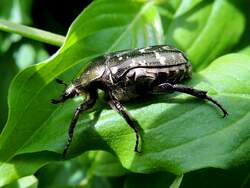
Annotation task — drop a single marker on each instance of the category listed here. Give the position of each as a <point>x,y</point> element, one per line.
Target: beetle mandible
<point>128,74</point>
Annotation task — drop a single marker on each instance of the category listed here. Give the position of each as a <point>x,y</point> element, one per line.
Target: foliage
<point>180,134</point>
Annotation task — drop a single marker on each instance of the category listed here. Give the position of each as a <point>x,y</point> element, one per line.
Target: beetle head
<point>69,92</point>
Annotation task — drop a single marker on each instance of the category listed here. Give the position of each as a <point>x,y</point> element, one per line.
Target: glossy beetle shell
<point>131,73</point>
<point>128,74</point>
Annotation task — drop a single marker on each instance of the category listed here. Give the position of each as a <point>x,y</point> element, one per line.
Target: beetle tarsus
<point>136,149</point>
<point>225,113</point>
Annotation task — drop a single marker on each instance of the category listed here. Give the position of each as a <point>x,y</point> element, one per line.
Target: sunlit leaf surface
<point>180,133</point>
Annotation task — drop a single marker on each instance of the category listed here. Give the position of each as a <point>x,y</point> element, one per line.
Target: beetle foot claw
<point>137,150</point>
<point>225,114</point>
<point>59,81</point>
<point>54,101</point>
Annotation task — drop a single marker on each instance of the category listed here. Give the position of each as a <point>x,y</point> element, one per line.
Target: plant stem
<point>177,182</point>
<point>32,33</point>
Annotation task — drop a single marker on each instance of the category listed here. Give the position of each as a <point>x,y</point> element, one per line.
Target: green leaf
<point>31,112</point>
<point>211,177</point>
<point>179,136</point>
<point>97,182</point>
<point>174,139</point>
<point>206,29</point>
<point>87,169</point>
<point>177,182</point>
<point>105,164</point>
<point>25,182</point>
<point>16,11</point>
<point>61,174</point>
<point>24,165</point>
<point>29,53</point>
<point>245,38</point>
<point>167,9</point>
<point>246,182</point>
<point>155,180</point>
<point>19,12</point>
<point>245,50</point>
<point>8,69</point>
<point>18,57</point>
<point>188,134</point>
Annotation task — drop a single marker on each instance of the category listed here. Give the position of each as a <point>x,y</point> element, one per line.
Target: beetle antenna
<point>59,81</point>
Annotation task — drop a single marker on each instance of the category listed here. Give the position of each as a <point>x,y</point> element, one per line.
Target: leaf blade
<point>208,29</point>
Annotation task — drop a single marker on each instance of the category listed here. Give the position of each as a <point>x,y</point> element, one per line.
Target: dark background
<point>56,16</point>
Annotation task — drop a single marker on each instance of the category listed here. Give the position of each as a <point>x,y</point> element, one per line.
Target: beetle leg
<point>84,106</point>
<point>116,105</point>
<point>59,81</point>
<point>191,91</point>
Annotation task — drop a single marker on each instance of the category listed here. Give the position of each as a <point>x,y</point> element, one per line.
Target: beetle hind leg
<point>191,91</point>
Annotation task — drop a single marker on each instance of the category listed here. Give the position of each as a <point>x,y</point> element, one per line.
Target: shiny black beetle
<point>128,74</point>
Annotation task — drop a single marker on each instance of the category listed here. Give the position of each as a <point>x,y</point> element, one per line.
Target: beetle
<point>127,74</point>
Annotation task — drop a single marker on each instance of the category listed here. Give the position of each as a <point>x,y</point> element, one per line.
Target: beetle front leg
<point>83,107</point>
<point>191,91</point>
<point>116,105</point>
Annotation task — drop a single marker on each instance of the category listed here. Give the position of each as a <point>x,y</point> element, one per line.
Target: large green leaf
<point>206,29</point>
<point>105,164</point>
<point>183,134</point>
<point>61,174</point>
<point>104,26</point>
<point>82,170</point>
<point>179,134</point>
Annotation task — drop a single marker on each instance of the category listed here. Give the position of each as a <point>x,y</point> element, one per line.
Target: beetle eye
<point>70,91</point>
